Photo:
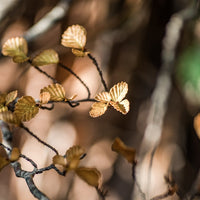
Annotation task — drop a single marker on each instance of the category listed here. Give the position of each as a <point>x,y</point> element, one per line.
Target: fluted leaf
<point>59,160</point>
<point>10,118</point>
<point>98,109</point>
<point>80,53</point>
<point>56,91</point>
<point>90,175</point>
<point>122,106</point>
<point>46,57</point>
<point>44,97</point>
<point>3,162</point>
<point>15,154</point>
<point>11,97</point>
<point>74,37</point>
<point>16,48</point>
<point>26,108</point>
<point>103,97</point>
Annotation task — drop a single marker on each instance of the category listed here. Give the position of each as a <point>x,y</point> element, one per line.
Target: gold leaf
<point>119,91</point>
<point>3,98</point>
<point>79,53</point>
<point>26,108</point>
<point>10,118</point>
<point>56,91</point>
<point>44,97</point>
<point>127,152</point>
<point>59,160</point>
<point>122,106</point>
<point>11,97</point>
<point>72,97</point>
<point>197,125</point>
<point>74,37</point>
<point>103,97</point>
<point>16,48</point>
<point>3,162</point>
<point>90,175</point>
<point>98,109</point>
<point>73,156</point>
<point>15,154</point>
<point>46,57</point>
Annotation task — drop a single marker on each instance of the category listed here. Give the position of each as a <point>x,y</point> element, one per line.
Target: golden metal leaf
<point>3,108</point>
<point>3,162</point>
<point>11,97</point>
<point>10,118</point>
<point>3,98</point>
<point>46,57</point>
<point>98,109</point>
<point>80,53</point>
<point>26,108</point>
<point>90,175</point>
<point>74,37</point>
<point>73,156</point>
<point>59,160</point>
<point>119,91</point>
<point>56,91</point>
<point>15,154</point>
<point>16,48</point>
<point>44,97</point>
<point>103,97</point>
<point>123,106</point>
<point>127,152</point>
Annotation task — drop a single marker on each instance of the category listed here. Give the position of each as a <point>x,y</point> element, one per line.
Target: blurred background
<point>125,36</point>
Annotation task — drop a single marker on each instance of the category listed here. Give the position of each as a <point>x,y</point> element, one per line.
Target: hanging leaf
<point>80,53</point>
<point>16,48</point>
<point>90,175</point>
<point>197,125</point>
<point>10,118</point>
<point>46,57</point>
<point>3,162</point>
<point>127,152</point>
<point>15,154</point>
<point>119,91</point>
<point>74,37</point>
<point>122,106</point>
<point>26,108</point>
<point>3,99</point>
<point>59,160</point>
<point>98,109</point>
<point>73,156</point>
<point>56,91</point>
<point>10,97</point>
<point>44,97</point>
<point>103,97</point>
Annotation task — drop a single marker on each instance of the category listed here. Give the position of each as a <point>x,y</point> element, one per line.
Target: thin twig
<point>99,70</point>
<point>74,74</point>
<point>47,108</point>
<point>38,139</point>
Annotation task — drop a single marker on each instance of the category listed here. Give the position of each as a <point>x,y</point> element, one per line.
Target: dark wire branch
<point>99,70</point>
<point>47,108</point>
<point>38,139</point>
<point>74,74</point>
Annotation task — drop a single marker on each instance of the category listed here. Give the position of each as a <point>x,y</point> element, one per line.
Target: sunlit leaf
<point>79,53</point>
<point>15,154</point>
<point>46,57</point>
<point>103,97</point>
<point>127,152</point>
<point>72,97</point>
<point>197,125</point>
<point>3,162</point>
<point>56,91</point>
<point>73,156</point>
<point>3,108</point>
<point>10,118</point>
<point>122,106</point>
<point>90,175</point>
<point>119,91</point>
<point>11,97</point>
<point>74,37</point>
<point>16,48</point>
<point>59,160</point>
<point>44,97</point>
<point>26,108</point>
<point>98,109</point>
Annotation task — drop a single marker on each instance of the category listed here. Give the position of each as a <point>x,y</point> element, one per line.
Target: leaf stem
<point>74,74</point>
<point>99,70</point>
<point>38,139</point>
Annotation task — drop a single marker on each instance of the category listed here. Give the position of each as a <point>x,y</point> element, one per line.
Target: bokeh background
<point>125,36</point>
